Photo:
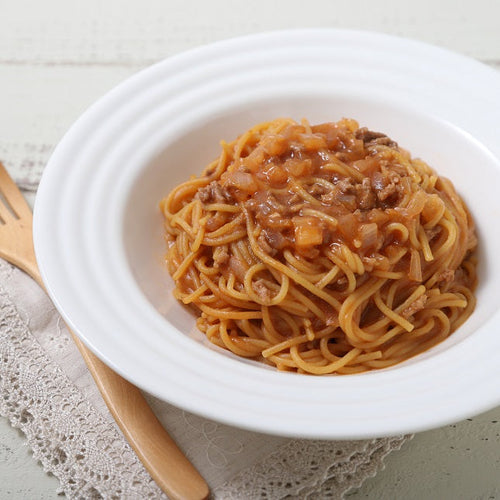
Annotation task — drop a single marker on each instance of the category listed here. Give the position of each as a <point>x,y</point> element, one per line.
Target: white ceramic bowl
<point>99,234</point>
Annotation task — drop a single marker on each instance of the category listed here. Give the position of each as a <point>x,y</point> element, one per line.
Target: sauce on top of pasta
<point>314,242</point>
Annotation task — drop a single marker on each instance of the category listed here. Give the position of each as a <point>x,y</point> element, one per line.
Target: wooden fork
<point>168,466</point>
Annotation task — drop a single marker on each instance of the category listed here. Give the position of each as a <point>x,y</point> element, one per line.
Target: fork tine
<point>5,213</point>
<point>12,195</point>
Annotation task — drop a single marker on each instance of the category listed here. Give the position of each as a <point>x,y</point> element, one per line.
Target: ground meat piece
<point>446,276</point>
<point>366,197</point>
<point>263,243</point>
<point>385,185</point>
<point>265,203</point>
<point>261,290</point>
<point>317,189</point>
<point>387,192</point>
<point>213,193</point>
<point>221,255</point>
<point>369,138</point>
<point>204,194</point>
<point>415,306</point>
<point>342,281</point>
<point>384,141</point>
<point>367,135</point>
<point>342,191</point>
<point>346,186</point>
<point>328,198</point>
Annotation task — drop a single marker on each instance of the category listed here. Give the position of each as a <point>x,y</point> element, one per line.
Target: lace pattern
<point>68,436</point>
<point>311,470</point>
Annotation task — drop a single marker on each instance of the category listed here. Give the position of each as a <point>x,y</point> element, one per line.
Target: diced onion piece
<point>308,231</point>
<point>312,142</point>
<point>416,204</point>
<point>254,160</point>
<point>274,145</point>
<point>298,167</point>
<point>348,227</point>
<point>368,235</point>
<point>241,180</point>
<point>276,176</point>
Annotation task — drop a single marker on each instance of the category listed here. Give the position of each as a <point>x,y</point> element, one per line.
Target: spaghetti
<point>321,249</point>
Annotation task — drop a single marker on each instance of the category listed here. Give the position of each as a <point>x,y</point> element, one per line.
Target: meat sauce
<point>322,185</point>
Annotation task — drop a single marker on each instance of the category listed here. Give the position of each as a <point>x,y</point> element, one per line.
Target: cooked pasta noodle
<point>321,249</point>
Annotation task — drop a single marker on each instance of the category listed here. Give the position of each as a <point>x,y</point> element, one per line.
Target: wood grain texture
<point>57,32</point>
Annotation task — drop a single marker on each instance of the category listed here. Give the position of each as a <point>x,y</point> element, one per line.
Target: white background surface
<point>43,88</point>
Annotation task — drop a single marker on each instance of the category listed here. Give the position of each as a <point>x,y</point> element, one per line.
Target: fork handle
<point>158,452</point>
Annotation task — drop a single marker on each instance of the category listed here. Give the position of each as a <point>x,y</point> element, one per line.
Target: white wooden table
<point>46,84</point>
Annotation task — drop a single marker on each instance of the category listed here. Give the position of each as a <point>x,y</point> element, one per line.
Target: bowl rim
<point>83,139</point>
